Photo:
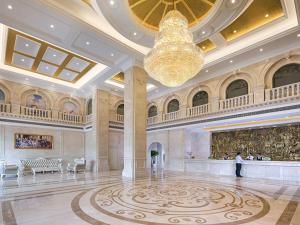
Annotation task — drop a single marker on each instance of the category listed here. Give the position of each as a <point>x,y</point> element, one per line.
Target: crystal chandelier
<point>174,58</point>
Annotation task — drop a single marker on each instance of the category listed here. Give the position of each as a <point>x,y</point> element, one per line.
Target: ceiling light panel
<point>34,55</point>
<point>22,61</point>
<point>206,45</point>
<point>77,64</point>
<point>46,68</point>
<point>54,56</point>
<point>68,75</point>
<point>26,46</point>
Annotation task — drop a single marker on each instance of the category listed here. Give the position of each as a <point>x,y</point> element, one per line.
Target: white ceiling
<point>75,26</point>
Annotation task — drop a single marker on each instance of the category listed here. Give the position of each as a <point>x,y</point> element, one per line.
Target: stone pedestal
<point>135,97</point>
<point>15,108</point>
<point>55,114</point>
<point>97,154</point>
<point>215,104</point>
<point>259,94</point>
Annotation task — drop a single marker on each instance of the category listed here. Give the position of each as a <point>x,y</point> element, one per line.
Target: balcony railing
<point>283,92</point>
<point>70,118</point>
<point>172,116</point>
<point>152,120</point>
<point>33,112</point>
<point>286,93</point>
<point>197,110</point>
<point>237,102</point>
<point>5,108</point>
<point>89,118</point>
<point>117,117</point>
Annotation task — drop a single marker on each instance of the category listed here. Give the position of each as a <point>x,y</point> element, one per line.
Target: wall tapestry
<point>32,141</point>
<point>279,143</point>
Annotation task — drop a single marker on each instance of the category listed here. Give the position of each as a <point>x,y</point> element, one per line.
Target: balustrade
<point>88,118</point>
<point>70,117</point>
<point>152,120</point>
<point>5,108</point>
<point>287,91</point>
<point>237,102</point>
<point>172,116</point>
<point>197,110</point>
<point>283,92</point>
<point>33,112</point>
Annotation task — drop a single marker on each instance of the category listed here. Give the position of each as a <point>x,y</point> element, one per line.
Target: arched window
<point>173,105</point>
<point>35,101</point>
<point>287,74</point>
<point>90,106</point>
<point>120,109</point>
<point>237,88</point>
<point>2,96</point>
<point>152,111</point>
<point>200,98</point>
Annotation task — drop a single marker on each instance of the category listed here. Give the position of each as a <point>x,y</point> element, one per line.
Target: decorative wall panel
<point>278,143</point>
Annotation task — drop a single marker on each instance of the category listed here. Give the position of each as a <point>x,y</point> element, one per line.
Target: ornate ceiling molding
<point>120,16</point>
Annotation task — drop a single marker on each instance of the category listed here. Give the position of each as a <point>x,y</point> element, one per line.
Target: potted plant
<point>154,154</point>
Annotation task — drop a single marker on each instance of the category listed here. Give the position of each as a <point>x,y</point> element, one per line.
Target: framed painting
<point>33,141</point>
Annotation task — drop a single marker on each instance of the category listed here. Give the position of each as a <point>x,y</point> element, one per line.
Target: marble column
<point>135,99</point>
<point>97,153</point>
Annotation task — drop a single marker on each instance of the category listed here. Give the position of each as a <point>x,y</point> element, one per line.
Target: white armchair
<point>8,170</point>
<point>77,166</point>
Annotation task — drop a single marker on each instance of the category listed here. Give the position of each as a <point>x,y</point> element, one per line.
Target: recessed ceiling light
<point>26,78</point>
<point>203,32</point>
<point>298,35</point>
<point>203,47</point>
<point>267,15</point>
<point>77,63</point>
<point>234,31</point>
<point>206,71</point>
<point>231,61</point>
<point>22,60</point>
<point>233,1</point>
<point>134,33</point>
<point>54,55</point>
<point>10,7</point>
<point>68,74</point>
<point>51,26</point>
<point>27,45</point>
<point>87,43</point>
<point>111,2</point>
<point>47,67</point>
<point>112,54</point>
<point>261,49</point>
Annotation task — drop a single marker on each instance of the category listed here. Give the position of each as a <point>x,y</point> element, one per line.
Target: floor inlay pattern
<point>173,202</point>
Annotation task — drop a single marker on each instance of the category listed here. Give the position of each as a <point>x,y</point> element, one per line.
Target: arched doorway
<point>159,160</point>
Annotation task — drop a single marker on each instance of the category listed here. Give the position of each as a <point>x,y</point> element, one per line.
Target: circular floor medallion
<point>177,202</point>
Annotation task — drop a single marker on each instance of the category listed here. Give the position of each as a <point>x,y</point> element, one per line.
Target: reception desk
<point>279,170</point>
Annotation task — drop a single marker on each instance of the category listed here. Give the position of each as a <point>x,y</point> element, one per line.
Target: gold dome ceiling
<point>150,12</point>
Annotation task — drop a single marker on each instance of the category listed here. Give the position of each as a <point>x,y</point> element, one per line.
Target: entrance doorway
<point>159,160</point>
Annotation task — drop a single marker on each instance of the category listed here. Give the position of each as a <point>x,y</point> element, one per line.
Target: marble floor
<point>160,198</point>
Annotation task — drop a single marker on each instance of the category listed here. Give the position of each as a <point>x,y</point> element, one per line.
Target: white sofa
<point>77,166</point>
<point>40,165</point>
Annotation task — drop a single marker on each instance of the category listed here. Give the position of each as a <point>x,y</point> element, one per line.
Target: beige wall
<point>116,149</point>
<point>67,144</point>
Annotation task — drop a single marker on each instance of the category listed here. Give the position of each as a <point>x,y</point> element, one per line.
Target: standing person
<point>238,161</point>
